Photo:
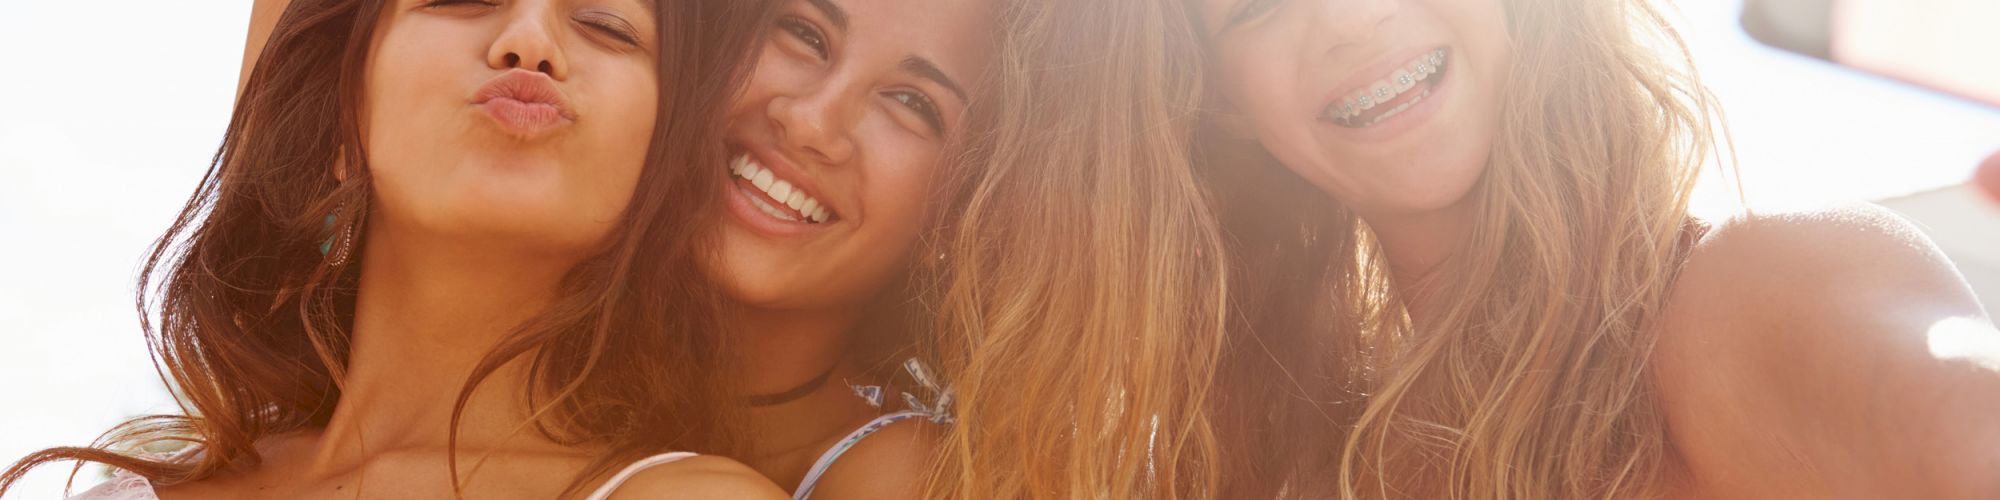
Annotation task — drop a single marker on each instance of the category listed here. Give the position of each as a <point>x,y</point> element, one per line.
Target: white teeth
<point>1348,109</point>
<point>797,200</point>
<point>1398,109</point>
<point>762,179</point>
<point>780,190</point>
<point>762,206</point>
<point>787,194</point>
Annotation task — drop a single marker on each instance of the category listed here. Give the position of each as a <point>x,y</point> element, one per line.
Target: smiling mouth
<point>779,198</point>
<point>1391,95</point>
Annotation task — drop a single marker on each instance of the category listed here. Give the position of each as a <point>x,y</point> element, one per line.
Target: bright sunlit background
<point>116,106</point>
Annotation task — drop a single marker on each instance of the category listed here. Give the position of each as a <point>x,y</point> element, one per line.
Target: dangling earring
<point>337,247</point>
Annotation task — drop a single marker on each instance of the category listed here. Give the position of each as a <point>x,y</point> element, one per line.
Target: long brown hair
<point>248,322</point>
<point>1530,379</point>
<point>1080,290</point>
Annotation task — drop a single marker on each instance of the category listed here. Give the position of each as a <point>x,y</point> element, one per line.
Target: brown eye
<point>924,106</point>
<point>806,33</point>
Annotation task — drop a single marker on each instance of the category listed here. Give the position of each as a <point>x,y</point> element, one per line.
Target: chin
<point>542,228</point>
<point>755,292</point>
<point>1422,192</point>
<point>752,290</point>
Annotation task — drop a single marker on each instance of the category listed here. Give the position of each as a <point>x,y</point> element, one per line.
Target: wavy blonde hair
<point>1080,295</point>
<point>1527,378</point>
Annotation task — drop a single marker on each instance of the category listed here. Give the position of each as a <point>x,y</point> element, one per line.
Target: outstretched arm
<point>263,17</point>
<point>1835,354</point>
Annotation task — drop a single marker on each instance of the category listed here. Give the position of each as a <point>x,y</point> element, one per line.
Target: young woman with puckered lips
<point>416,265</point>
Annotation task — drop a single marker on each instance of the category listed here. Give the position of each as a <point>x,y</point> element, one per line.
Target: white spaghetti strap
<point>604,492</point>
<point>826,460</point>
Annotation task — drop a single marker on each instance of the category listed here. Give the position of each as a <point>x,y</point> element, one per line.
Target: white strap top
<point>129,486</point>
<point>826,460</point>
<point>604,492</point>
<point>936,410</point>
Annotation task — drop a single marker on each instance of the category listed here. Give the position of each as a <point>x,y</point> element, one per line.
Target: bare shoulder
<point>892,463</point>
<point>1799,352</point>
<point>1857,262</point>
<point>1837,244</point>
<point>701,477</point>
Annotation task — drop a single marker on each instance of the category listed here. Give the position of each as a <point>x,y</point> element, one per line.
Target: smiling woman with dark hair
<point>430,261</point>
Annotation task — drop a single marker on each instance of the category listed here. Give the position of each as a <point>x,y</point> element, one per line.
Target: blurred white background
<point>114,108</point>
<point>112,111</point>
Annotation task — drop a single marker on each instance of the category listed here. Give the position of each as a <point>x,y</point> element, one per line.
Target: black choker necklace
<point>763,400</point>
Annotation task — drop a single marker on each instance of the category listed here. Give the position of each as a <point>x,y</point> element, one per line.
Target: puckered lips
<point>525,105</point>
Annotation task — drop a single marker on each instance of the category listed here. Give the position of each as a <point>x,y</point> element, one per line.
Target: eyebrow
<point>924,68</point>
<point>833,12</point>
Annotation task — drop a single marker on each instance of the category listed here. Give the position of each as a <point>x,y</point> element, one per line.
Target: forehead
<point>956,35</point>
<point>650,7</point>
<point>940,27</point>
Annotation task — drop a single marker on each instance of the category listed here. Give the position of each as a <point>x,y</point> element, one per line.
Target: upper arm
<point>1815,351</point>
<point>892,463</point>
<point>699,478</point>
<point>264,16</point>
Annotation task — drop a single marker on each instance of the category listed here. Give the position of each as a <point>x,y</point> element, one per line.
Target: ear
<point>340,167</point>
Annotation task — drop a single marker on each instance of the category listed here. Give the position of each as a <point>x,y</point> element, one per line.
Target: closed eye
<point>610,25</point>
<point>1251,10</point>
<point>448,3</point>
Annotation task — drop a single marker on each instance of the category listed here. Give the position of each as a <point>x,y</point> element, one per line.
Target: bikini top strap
<point>826,460</point>
<point>604,492</point>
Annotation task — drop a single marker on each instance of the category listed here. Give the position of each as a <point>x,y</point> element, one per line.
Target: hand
<point>1988,177</point>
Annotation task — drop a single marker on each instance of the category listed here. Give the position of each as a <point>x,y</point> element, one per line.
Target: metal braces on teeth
<point>1426,66</point>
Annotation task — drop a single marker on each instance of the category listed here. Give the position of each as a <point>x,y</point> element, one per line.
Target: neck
<point>1417,245</point>
<point>427,313</point>
<point>783,349</point>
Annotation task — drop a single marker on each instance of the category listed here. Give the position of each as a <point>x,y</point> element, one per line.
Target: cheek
<point>1270,107</point>
<point>412,97</point>
<point>627,103</point>
<point>775,74</point>
<point>1481,29</point>
<point>1262,90</point>
<point>898,192</point>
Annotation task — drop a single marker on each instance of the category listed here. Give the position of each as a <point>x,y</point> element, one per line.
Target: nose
<point>816,122</point>
<point>1346,22</point>
<point>528,42</point>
